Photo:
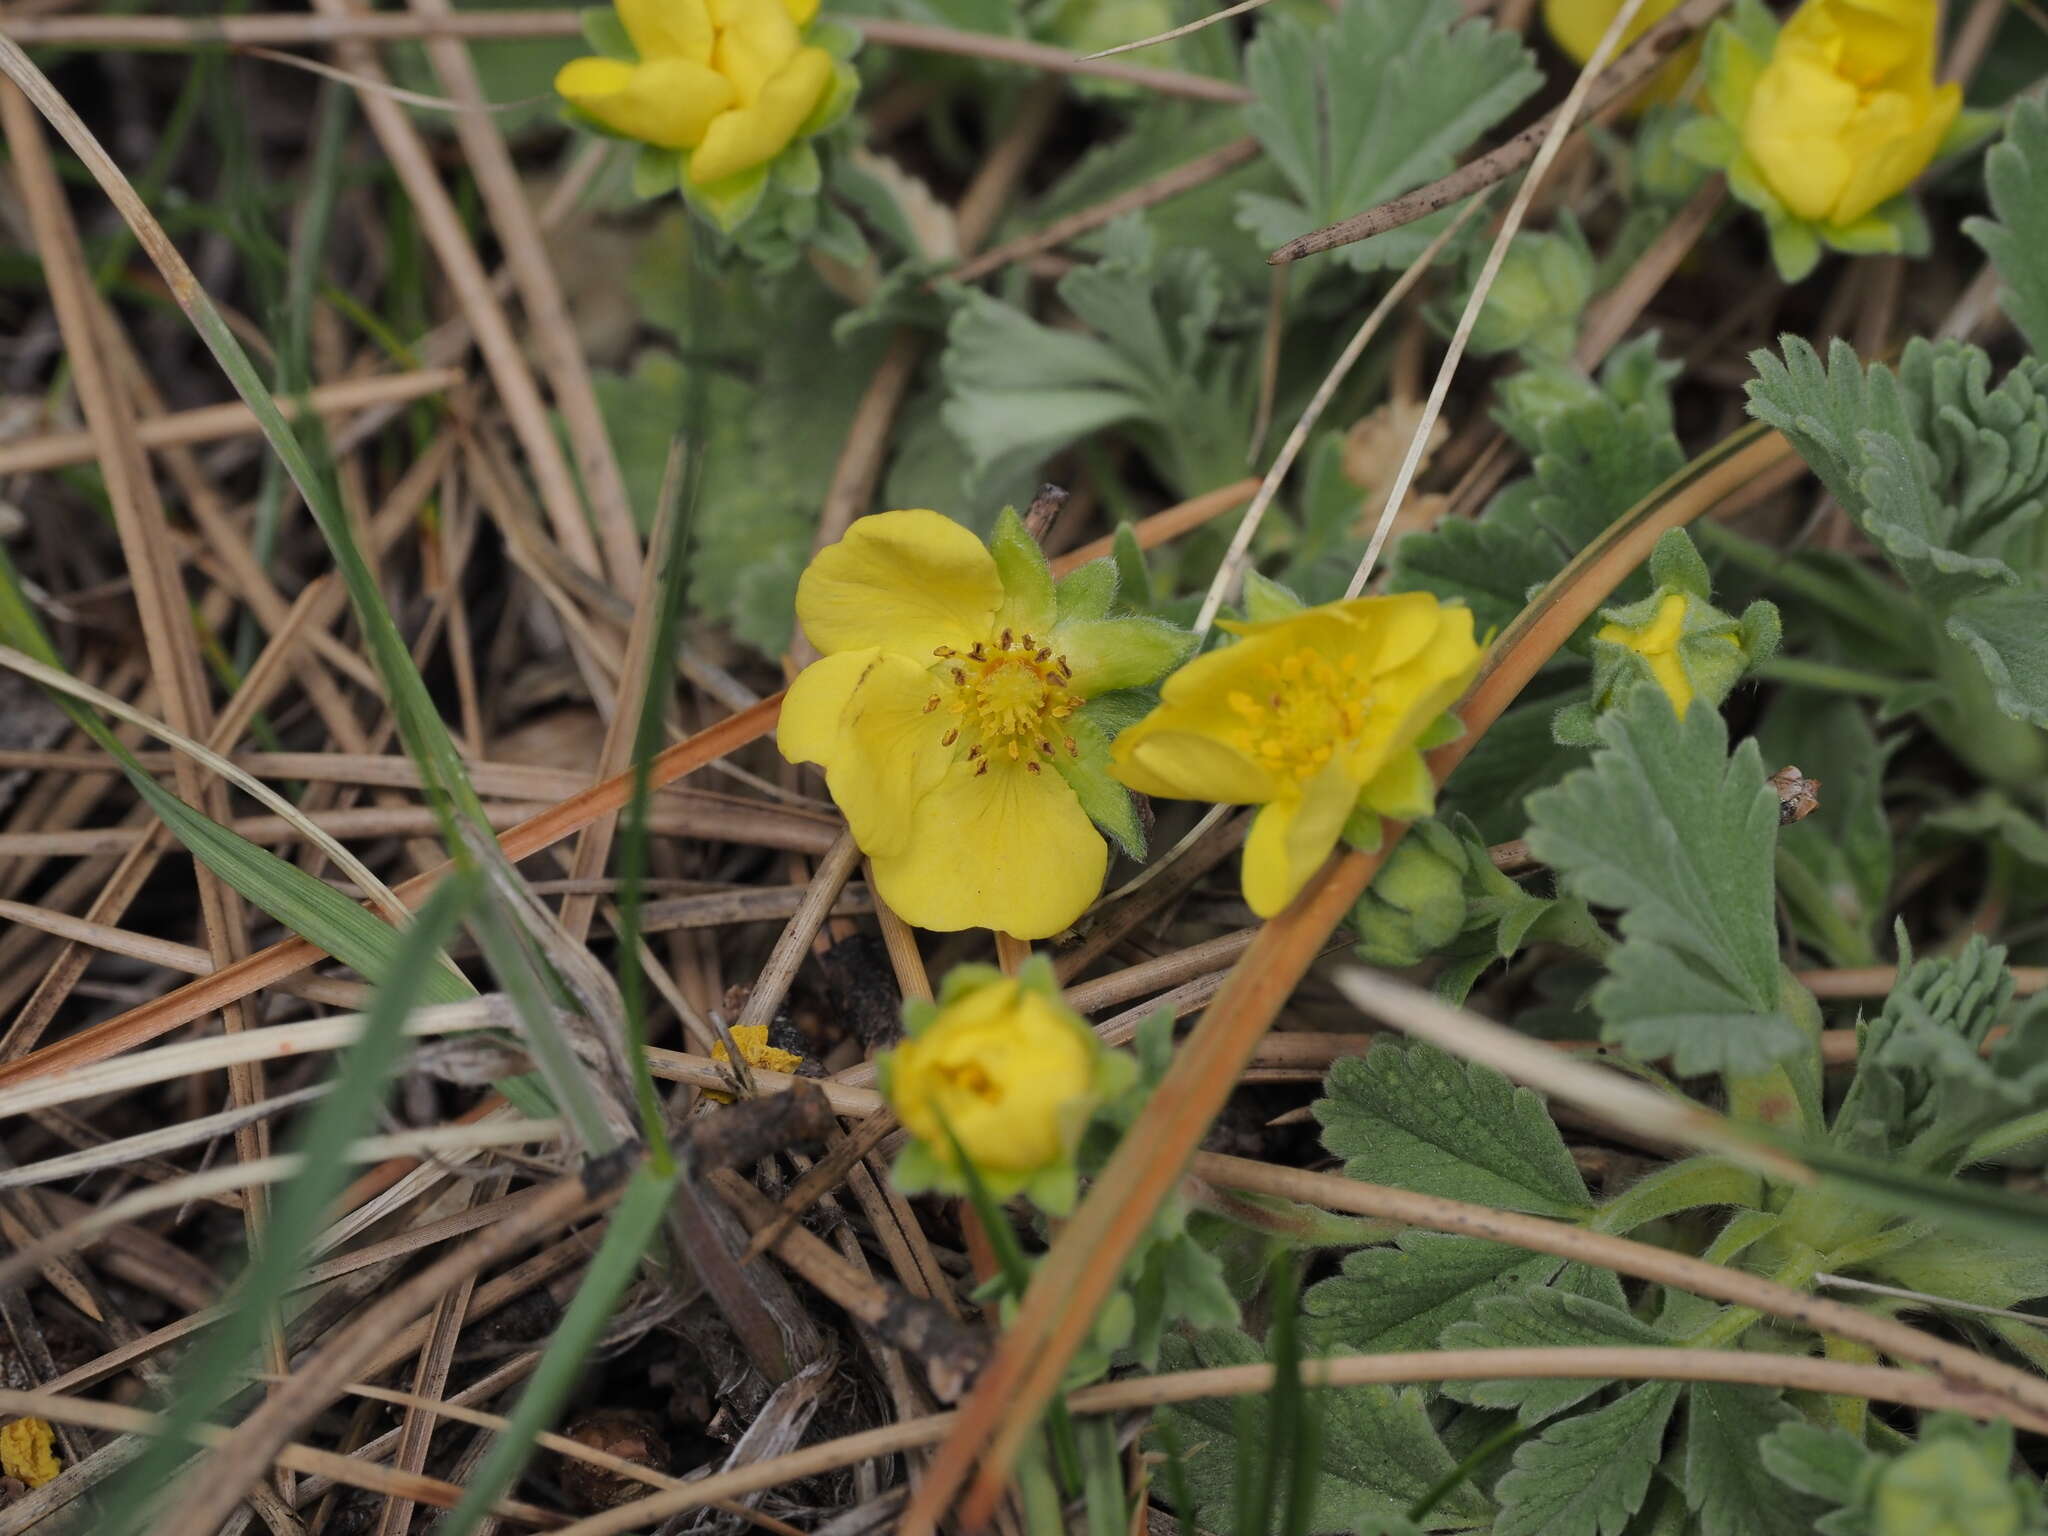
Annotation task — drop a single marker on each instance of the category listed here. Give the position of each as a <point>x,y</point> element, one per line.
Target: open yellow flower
<point>1845,113</point>
<point>730,81</point>
<point>1002,1067</point>
<point>948,713</point>
<point>1314,717</point>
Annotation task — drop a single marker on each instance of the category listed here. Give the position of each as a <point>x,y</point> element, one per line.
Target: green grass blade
<point>208,1374</point>
<point>627,1237</point>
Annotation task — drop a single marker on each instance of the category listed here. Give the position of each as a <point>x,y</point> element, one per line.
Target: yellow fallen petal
<point>888,755</point>
<point>753,135</point>
<point>906,581</point>
<point>667,103</point>
<point>1005,849</point>
<point>755,1051</point>
<point>28,1450</point>
<point>1291,837</point>
<point>668,29</point>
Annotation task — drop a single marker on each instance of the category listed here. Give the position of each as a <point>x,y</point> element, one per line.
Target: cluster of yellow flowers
<point>729,81</point>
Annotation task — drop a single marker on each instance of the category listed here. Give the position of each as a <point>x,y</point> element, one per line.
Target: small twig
<point>1634,66</point>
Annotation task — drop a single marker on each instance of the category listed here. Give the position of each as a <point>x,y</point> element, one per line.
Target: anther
<point>942,650</point>
<point>1004,642</point>
<point>960,677</point>
<point>1045,747</point>
<point>973,752</point>
<point>977,653</point>
<point>931,703</point>
<point>1013,751</point>
<point>1029,643</point>
<point>1065,670</point>
<point>950,737</point>
<point>1031,767</point>
<point>978,772</point>
<point>1073,748</point>
<point>1043,651</point>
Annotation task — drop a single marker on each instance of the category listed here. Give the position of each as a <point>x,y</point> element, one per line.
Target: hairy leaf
<point>1406,1296</point>
<point>1587,1475</point>
<point>2016,174</point>
<point>1725,1482</point>
<point>1679,835</point>
<point>1379,1452</point>
<point>1545,1317</point>
<point>1418,1118</point>
<point>1337,110</point>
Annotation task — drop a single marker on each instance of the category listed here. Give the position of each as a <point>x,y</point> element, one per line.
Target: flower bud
<point>1536,298</point>
<point>1417,902</point>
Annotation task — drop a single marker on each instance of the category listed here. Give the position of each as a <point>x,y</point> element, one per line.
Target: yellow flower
<point>946,712</point>
<point>28,1450</point>
<point>727,80</point>
<point>1846,112</point>
<point>1313,717</point>
<point>1578,25</point>
<point>1657,643</point>
<point>1011,1072</point>
<point>755,1051</point>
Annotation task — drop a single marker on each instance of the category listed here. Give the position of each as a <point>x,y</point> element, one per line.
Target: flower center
<point>1009,695</point>
<point>1309,710</point>
<point>968,1077</point>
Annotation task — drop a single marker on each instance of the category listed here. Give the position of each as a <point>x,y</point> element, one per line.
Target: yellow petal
<point>1005,849</point>
<point>888,755</point>
<point>1291,837</point>
<point>800,11</point>
<point>1669,671</point>
<point>906,581</point>
<point>755,39</point>
<point>667,29</point>
<point>753,135</point>
<point>1409,698</point>
<point>809,729</point>
<point>666,103</point>
<point>1797,113</point>
<point>1181,765</point>
<point>1890,143</point>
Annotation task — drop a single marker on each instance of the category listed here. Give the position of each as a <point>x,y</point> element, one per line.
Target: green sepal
<point>835,37</point>
<point>729,201</point>
<point>1738,46</point>
<point>1108,655</point>
<point>606,34</point>
<point>1087,773</point>
<point>1087,591</point>
<point>1134,580</point>
<point>1028,600</point>
<point>1441,732</point>
<point>1364,829</point>
<point>1266,600</point>
<point>656,172</point>
<point>1795,247</point>
<point>833,106</point>
<point>797,171</point>
<point>1708,141</point>
<point>1675,564</point>
<point>1970,127</point>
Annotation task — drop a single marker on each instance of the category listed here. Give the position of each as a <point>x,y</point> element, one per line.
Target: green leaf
<point>1826,1464</point>
<point>1406,1296</point>
<point>1725,1483</point>
<point>1379,1452</point>
<point>1845,847</point>
<point>1018,391</point>
<point>1546,1317</point>
<point>1587,1475</point>
<point>1678,835</point>
<point>1414,1117</point>
<point>2016,175</point>
<point>2007,632</point>
<point>1982,1270</point>
<point>1335,108</point>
